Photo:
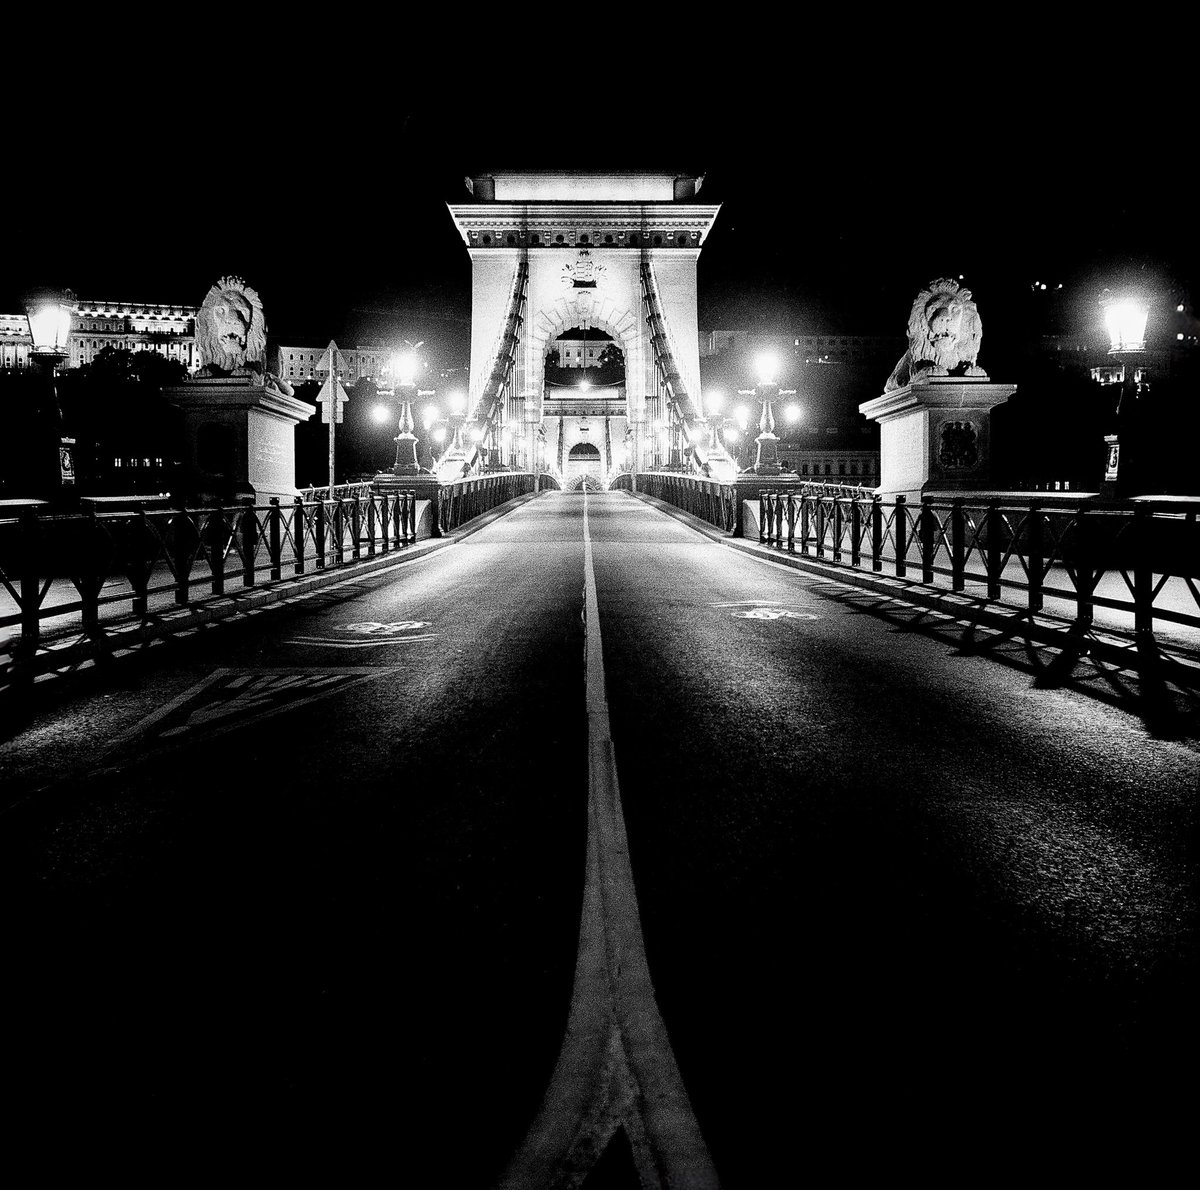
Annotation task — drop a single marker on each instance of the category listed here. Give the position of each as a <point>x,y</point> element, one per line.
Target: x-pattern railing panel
<point>1138,561</point>
<point>147,557</point>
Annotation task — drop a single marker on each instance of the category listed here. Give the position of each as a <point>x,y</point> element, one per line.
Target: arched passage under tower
<point>614,254</point>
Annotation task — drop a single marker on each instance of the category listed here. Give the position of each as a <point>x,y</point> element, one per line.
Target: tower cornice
<point>605,225</point>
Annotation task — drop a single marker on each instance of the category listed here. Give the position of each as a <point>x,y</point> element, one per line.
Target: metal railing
<point>708,499</point>
<point>465,499</point>
<point>78,569</point>
<point>346,491</point>
<point>1138,564</point>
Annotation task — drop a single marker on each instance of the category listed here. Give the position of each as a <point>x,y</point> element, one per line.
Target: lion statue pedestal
<point>239,421</point>
<point>240,439</point>
<point>936,436</point>
<point>935,413</point>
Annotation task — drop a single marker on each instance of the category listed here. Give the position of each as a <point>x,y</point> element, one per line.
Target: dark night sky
<point>845,185</point>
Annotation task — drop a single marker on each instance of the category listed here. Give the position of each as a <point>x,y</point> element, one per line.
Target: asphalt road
<point>301,895</point>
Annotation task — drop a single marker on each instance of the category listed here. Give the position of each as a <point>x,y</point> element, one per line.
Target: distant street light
<point>403,370</point>
<point>1125,321</point>
<point>767,391</point>
<point>49,314</point>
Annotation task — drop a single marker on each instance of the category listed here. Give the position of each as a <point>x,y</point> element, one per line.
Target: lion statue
<point>943,336</point>
<point>231,335</point>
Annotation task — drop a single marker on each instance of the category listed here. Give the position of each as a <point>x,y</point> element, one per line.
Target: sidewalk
<point>1110,635</point>
<point>65,648</point>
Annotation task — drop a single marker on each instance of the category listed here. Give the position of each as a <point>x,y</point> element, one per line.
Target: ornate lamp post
<point>766,391</point>
<point>453,463</point>
<point>1125,321</point>
<point>404,368</point>
<point>49,314</point>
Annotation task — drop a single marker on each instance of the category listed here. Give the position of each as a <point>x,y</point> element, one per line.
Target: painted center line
<point>616,1068</point>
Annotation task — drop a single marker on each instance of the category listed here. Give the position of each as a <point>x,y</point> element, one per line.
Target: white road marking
<point>229,699</point>
<point>616,1067</point>
<point>773,613</point>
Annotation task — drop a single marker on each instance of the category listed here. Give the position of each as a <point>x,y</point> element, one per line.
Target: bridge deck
<point>311,885</point>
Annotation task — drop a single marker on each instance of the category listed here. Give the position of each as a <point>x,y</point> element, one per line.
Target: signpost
<point>332,397</point>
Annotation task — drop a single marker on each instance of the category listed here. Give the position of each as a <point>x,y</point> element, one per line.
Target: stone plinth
<point>936,435</point>
<point>239,439</point>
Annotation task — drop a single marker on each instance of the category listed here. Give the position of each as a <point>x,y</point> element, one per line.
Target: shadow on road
<point>1136,677</point>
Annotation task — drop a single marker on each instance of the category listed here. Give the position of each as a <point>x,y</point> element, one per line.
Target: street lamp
<point>49,314</point>
<point>766,391</point>
<point>404,372</point>
<point>453,464</point>
<point>1125,321</point>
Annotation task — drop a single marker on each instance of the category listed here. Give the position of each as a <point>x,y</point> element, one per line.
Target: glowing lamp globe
<point>49,315</point>
<point>1125,322</point>
<point>406,368</point>
<point>381,414</point>
<point>767,366</point>
<point>791,414</point>
<point>457,403</point>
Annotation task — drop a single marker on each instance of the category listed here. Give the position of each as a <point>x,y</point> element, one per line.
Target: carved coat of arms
<point>585,273</point>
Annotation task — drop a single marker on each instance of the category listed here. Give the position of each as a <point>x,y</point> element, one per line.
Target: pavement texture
<point>303,891</point>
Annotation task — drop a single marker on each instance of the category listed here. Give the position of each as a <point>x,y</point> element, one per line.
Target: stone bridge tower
<point>615,253</point>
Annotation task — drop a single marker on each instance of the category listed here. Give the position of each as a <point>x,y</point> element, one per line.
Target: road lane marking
<point>616,1068</point>
<point>232,698</point>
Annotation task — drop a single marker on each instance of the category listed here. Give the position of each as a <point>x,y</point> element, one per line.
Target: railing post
<point>355,527</point>
<point>839,527</point>
<point>763,527</point>
<point>822,518</point>
<point>1085,572</point>
<point>1036,564</point>
<point>371,527</point>
<point>90,592</point>
<point>855,531</point>
<point>181,553</point>
<point>928,541</point>
<point>218,541</point>
<point>876,532</point>
<point>298,530</point>
<point>791,522</point>
<point>275,539</point>
<point>139,573</point>
<point>320,535</point>
<point>805,515</point>
<point>1143,576</point>
<point>249,532</point>
<point>385,527</point>
<point>958,559</point>
<point>900,525</point>
<point>995,549</point>
<point>30,586</point>
<point>339,532</point>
